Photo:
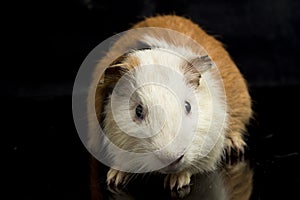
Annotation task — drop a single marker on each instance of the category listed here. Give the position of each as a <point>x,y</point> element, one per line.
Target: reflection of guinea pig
<point>205,98</point>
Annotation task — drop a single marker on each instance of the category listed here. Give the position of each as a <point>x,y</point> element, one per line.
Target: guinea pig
<point>179,106</point>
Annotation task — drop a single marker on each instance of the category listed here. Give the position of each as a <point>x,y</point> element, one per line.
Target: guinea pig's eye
<point>139,112</point>
<point>187,106</point>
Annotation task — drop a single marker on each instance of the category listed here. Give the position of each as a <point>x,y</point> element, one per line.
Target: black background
<point>44,43</point>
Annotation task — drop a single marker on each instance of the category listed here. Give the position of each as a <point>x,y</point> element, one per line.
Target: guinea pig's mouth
<point>174,166</point>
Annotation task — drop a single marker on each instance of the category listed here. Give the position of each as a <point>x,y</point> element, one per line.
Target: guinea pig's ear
<point>201,63</point>
<point>114,70</point>
<point>112,73</point>
<point>195,67</point>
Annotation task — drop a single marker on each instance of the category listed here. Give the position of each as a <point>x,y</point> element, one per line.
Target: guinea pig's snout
<point>177,161</point>
<point>171,160</point>
<point>173,166</point>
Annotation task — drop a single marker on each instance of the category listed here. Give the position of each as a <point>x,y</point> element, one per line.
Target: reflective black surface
<point>45,157</point>
<point>44,45</point>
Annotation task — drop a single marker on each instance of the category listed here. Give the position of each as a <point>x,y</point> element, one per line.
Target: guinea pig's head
<point>162,104</point>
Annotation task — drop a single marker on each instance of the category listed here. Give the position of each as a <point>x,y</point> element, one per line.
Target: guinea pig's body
<point>211,104</point>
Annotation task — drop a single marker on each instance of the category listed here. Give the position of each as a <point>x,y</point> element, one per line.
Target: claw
<point>235,142</point>
<point>116,178</point>
<point>177,181</point>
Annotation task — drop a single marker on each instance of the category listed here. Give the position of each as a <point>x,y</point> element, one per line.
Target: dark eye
<point>139,112</point>
<point>187,106</point>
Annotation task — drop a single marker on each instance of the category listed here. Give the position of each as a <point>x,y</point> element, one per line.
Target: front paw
<point>235,142</point>
<point>116,178</point>
<point>178,183</point>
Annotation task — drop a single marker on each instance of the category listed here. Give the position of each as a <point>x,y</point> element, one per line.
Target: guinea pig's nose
<point>177,160</point>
